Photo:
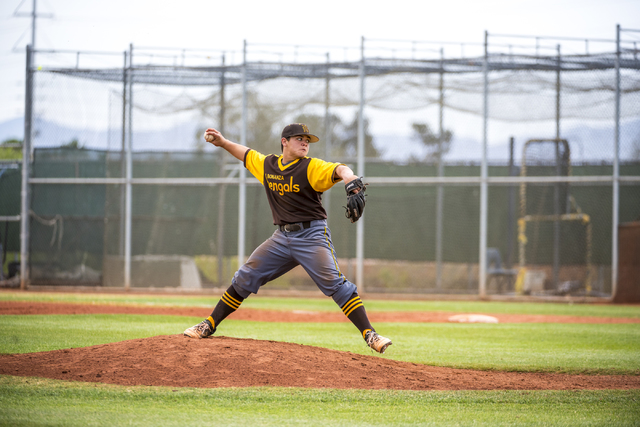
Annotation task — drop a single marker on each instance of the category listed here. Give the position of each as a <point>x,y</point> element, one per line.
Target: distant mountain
<point>50,134</point>
<point>589,144</point>
<point>12,129</point>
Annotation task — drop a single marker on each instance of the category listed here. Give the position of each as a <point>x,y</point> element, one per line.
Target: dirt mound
<point>178,361</point>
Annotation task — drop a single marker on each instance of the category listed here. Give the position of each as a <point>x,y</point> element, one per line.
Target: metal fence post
<point>440,193</point>
<point>327,113</point>
<point>242,192</point>
<point>361,148</point>
<point>327,128</point>
<point>123,150</point>
<point>26,164</point>
<point>222,187</point>
<point>616,176</point>
<point>129,176</point>
<point>482,280</point>
<point>556,187</point>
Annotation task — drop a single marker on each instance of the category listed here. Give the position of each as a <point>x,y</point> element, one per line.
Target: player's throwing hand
<point>214,137</point>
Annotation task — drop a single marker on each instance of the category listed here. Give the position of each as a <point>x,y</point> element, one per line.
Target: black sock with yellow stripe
<point>354,310</point>
<point>229,302</point>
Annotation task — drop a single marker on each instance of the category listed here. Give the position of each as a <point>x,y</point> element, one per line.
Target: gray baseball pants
<point>311,248</point>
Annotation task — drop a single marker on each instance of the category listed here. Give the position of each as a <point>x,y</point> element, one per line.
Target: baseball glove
<point>355,199</point>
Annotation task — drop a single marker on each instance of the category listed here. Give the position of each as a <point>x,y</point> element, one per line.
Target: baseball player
<point>294,184</point>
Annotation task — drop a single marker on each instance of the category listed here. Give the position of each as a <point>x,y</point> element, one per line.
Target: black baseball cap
<point>296,129</point>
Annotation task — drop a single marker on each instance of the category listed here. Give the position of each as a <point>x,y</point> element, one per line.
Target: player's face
<point>298,146</point>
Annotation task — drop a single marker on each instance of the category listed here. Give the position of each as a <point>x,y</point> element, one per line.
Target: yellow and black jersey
<point>294,190</point>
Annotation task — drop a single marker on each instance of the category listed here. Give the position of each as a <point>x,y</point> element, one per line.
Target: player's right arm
<point>236,150</point>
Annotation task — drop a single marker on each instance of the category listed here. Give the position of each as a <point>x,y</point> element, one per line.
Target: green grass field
<point>571,348</point>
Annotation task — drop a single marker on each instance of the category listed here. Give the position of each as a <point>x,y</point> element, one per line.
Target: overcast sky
<point>91,25</point>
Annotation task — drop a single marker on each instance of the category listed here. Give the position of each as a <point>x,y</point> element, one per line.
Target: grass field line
<point>325,304</point>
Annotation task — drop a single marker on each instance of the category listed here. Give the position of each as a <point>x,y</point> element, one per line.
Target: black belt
<point>295,227</point>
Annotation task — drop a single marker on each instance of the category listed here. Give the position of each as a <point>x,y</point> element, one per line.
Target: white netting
<point>528,97</point>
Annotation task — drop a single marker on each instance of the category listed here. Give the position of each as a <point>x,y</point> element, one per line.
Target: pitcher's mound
<point>178,361</point>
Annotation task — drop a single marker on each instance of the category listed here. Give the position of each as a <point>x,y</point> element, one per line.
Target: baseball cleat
<point>201,330</point>
<point>377,342</point>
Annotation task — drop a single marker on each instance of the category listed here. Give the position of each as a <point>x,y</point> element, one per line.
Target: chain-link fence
<point>124,191</point>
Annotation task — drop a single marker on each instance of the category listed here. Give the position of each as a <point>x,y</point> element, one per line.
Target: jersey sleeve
<point>320,174</point>
<point>254,162</point>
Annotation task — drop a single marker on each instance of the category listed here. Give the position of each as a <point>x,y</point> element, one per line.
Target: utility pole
<point>33,15</point>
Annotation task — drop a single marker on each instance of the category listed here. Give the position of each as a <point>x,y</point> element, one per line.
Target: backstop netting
<point>425,121</point>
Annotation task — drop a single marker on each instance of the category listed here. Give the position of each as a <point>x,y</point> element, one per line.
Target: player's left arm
<point>343,172</point>
<point>323,175</point>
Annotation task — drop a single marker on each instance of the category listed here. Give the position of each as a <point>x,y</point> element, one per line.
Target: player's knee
<point>344,293</point>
